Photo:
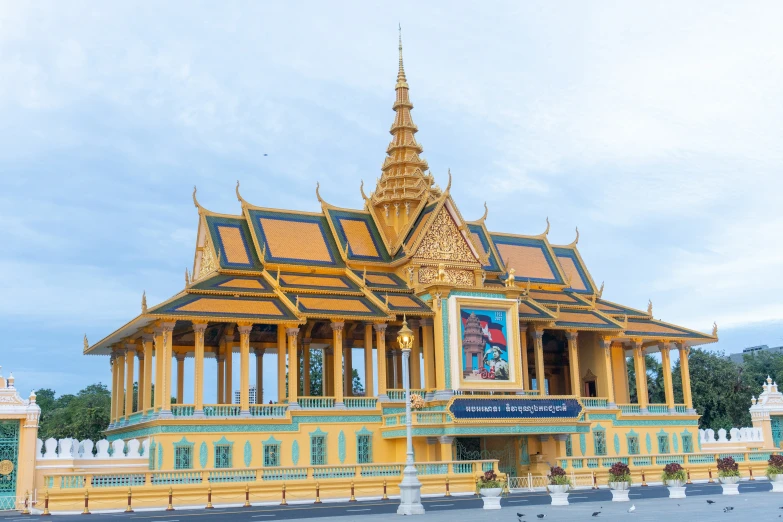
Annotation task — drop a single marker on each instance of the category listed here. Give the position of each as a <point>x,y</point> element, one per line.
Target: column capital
<point>665,346</point>
<point>337,326</point>
<point>179,356</point>
<point>244,329</point>
<point>130,348</point>
<point>637,344</point>
<point>220,357</point>
<point>147,337</point>
<point>140,354</point>
<point>167,326</point>
<point>572,335</point>
<point>380,327</point>
<point>684,348</point>
<point>259,351</point>
<point>414,323</point>
<point>426,321</point>
<point>199,327</point>
<point>445,440</point>
<point>292,332</point>
<point>306,341</point>
<point>537,332</point>
<point>606,342</point>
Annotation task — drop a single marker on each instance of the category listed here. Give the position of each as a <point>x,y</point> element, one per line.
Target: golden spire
<point>404,185</point>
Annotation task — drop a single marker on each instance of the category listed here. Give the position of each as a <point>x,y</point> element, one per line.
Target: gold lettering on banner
<point>451,276</point>
<point>443,241</point>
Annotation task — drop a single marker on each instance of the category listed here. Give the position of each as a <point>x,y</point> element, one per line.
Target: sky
<point>654,128</point>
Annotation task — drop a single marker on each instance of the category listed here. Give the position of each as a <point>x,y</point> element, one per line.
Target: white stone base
<point>730,489</point>
<point>777,487</point>
<point>620,495</point>
<point>491,502</point>
<point>676,492</point>
<point>559,499</point>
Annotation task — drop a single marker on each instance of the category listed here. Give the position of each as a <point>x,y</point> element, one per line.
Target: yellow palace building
<point>517,357</point>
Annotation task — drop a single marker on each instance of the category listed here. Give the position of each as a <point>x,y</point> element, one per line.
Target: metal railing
<point>272,411</point>
<point>361,403</point>
<point>399,395</point>
<point>660,459</point>
<point>221,410</point>
<point>595,402</point>
<point>417,418</point>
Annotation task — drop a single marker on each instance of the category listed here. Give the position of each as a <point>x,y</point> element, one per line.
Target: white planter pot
<point>559,494</point>
<point>491,497</point>
<point>620,491</point>
<point>676,488</point>
<point>730,485</point>
<point>777,483</point>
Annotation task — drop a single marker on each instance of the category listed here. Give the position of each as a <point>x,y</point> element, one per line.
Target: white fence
<point>736,435</point>
<point>532,482</point>
<point>86,449</point>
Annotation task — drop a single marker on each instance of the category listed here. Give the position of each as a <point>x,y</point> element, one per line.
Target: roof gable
<point>357,235</point>
<point>231,239</point>
<point>531,258</point>
<point>574,269</point>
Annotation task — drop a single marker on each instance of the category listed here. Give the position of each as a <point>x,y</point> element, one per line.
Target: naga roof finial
<point>601,290</point>
<point>86,343</point>
<point>448,187</point>
<point>715,329</point>
<point>239,196</point>
<point>195,201</point>
<point>317,192</point>
<point>546,232</point>
<point>576,239</point>
<point>649,307</point>
<point>144,302</point>
<point>361,189</point>
<point>484,217</point>
<point>187,278</point>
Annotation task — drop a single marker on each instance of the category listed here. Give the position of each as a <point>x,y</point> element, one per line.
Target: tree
<point>81,416</point>
<point>316,369</point>
<point>655,390</point>
<point>356,384</point>
<point>719,394</point>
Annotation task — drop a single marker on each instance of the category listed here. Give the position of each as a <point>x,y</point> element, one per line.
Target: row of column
<point>160,339</point>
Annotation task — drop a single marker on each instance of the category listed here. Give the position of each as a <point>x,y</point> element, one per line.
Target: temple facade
<point>517,356</point>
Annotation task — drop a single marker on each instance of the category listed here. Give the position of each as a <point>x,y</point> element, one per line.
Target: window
<point>318,450</point>
<point>364,449</point>
<point>633,445</point>
<point>663,443</point>
<point>222,456</point>
<point>183,456</point>
<point>599,442</point>
<point>687,443</point>
<point>569,448</point>
<point>271,455</point>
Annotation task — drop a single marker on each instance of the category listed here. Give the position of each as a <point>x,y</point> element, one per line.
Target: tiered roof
<point>274,266</point>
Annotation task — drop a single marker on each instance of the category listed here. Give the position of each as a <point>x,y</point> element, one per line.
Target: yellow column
<point>641,375</point>
<point>686,377</point>
<point>573,362</point>
<point>306,367</point>
<point>120,406</point>
<point>198,370</point>
<point>293,368</point>
<point>221,373</point>
<point>326,372</point>
<point>228,394</point>
<point>446,448</point>
<point>538,349</point>
<point>114,388</point>
<point>244,369</point>
<point>158,339</point>
<point>380,343</point>
<point>369,390</point>
<point>259,352</point>
<point>180,377</point>
<point>130,363</point>
<point>415,360</point>
<point>523,350</point>
<point>26,455</point>
<point>606,345</point>
<point>165,406</point>
<point>148,360</point>
<point>620,374</point>
<point>281,372</point>
<point>427,342</point>
<point>140,356</point>
<point>337,365</point>
<point>666,366</point>
<point>439,348</point>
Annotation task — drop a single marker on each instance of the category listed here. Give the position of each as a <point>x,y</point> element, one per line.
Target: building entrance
<point>504,449</point>
<point>9,450</point>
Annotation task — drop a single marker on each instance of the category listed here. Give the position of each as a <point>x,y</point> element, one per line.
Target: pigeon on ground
<point>540,515</point>
<point>519,516</point>
<point>727,509</point>
<point>710,502</point>
<point>596,513</point>
<point>632,508</point>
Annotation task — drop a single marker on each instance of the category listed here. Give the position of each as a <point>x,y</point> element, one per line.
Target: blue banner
<point>514,408</point>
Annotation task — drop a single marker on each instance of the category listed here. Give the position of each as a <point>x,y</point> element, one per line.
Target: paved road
<point>584,501</point>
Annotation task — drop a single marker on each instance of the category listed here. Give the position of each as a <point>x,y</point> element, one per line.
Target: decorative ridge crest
<point>239,196</point>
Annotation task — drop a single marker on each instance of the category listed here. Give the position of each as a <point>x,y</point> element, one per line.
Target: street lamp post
<point>410,487</point>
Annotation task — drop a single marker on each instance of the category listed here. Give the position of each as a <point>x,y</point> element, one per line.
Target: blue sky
<point>655,129</point>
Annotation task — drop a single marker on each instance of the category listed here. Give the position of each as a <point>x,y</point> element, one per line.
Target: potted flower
<point>559,484</point>
<point>417,401</point>
<point>490,488</point>
<point>729,476</point>
<point>674,478</point>
<point>775,473</point>
<point>619,481</point>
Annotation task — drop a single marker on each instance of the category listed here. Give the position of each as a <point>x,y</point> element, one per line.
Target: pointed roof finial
<point>601,290</point>
<point>649,307</point>
<point>401,72</point>
<point>144,302</point>
<point>86,343</point>
<point>714,328</point>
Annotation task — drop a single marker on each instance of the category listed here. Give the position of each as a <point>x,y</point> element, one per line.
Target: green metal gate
<point>777,429</point>
<point>9,449</point>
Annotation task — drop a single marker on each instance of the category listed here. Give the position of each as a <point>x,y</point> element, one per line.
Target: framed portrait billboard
<point>484,343</point>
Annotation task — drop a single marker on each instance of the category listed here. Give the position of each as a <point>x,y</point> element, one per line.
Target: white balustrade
<point>51,448</point>
<point>87,447</point>
<point>38,448</point>
<point>133,449</point>
<point>145,447</point>
<point>103,449</point>
<point>118,449</point>
<point>735,435</point>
